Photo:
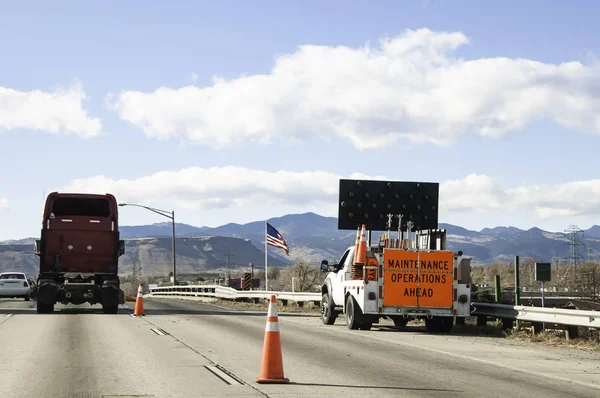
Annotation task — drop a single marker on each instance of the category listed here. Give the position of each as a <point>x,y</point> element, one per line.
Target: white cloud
<point>194,77</point>
<point>252,192</point>
<point>408,87</point>
<point>3,204</point>
<point>59,111</point>
<point>542,202</point>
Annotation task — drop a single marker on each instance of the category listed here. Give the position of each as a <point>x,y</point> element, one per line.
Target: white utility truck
<point>410,276</point>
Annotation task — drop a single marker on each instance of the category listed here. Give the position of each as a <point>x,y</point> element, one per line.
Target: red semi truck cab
<point>79,251</point>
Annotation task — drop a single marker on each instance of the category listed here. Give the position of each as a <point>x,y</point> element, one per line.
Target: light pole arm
<point>164,213</point>
<point>168,214</point>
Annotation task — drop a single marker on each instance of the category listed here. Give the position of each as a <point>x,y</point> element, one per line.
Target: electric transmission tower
<point>575,245</point>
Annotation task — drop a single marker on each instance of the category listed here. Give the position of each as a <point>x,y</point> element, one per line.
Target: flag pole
<point>266,258</point>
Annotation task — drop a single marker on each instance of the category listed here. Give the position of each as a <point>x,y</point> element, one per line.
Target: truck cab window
<point>81,207</point>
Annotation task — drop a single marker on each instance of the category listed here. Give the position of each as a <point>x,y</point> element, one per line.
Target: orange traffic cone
<point>271,367</point>
<point>361,254</point>
<point>139,303</point>
<point>356,244</point>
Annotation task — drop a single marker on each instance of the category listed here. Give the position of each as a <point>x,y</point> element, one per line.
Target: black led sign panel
<point>370,202</point>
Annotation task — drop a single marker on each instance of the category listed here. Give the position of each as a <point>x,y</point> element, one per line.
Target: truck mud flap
<point>47,292</point>
<point>110,295</point>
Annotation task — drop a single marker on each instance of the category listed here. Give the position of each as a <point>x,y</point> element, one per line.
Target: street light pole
<point>173,247</point>
<point>168,214</point>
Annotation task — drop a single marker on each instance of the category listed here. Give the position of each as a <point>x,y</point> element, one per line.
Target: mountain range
<point>311,238</point>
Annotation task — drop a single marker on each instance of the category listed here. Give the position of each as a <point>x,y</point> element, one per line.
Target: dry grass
<point>553,338</point>
<point>263,305</point>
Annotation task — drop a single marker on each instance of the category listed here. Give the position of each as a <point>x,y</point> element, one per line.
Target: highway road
<point>174,350</point>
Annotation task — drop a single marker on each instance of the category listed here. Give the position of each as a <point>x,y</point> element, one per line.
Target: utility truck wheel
<point>446,324</point>
<point>439,324</point>
<point>328,313</point>
<point>432,325</point>
<point>400,321</point>
<point>366,326</point>
<point>353,314</point>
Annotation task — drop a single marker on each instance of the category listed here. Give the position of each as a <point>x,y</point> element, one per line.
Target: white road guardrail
<point>532,314</point>
<point>558,316</point>
<point>229,293</point>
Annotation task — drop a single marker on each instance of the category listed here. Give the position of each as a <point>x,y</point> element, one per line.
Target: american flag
<point>274,238</point>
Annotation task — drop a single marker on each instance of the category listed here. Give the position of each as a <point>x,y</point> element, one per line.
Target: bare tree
<point>308,276</point>
<point>273,272</point>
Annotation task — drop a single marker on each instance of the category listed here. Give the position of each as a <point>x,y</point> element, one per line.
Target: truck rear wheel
<point>400,321</point>
<point>110,308</point>
<point>366,326</point>
<point>45,308</point>
<point>328,312</point>
<point>439,324</point>
<point>446,324</point>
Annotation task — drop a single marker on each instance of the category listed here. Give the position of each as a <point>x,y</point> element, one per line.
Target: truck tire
<point>439,324</point>
<point>446,324</point>
<point>366,325</point>
<point>328,312</point>
<point>45,308</point>
<point>400,321</point>
<point>353,314</point>
<point>110,309</point>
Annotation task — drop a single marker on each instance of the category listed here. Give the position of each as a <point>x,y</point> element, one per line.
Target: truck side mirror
<point>324,266</point>
<point>37,247</point>
<point>121,247</point>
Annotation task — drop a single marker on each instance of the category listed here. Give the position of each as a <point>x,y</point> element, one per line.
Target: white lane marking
<point>157,331</point>
<point>8,315</point>
<point>221,374</point>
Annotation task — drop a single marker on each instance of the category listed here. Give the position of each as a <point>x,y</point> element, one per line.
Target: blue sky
<point>138,48</point>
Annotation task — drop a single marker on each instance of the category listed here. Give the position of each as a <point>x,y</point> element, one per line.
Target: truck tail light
<point>25,284</point>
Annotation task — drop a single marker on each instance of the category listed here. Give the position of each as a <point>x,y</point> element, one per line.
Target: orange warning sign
<point>417,279</point>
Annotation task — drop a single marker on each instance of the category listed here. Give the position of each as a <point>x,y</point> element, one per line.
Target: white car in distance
<point>14,284</point>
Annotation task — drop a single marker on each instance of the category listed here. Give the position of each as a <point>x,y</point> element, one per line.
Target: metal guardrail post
<point>497,295</point>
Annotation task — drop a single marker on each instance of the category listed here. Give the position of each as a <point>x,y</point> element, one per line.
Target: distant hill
<point>311,238</point>
<point>25,241</point>
<point>153,255</point>
<point>314,237</point>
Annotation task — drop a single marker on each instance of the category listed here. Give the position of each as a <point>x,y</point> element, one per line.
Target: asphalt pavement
<point>192,349</point>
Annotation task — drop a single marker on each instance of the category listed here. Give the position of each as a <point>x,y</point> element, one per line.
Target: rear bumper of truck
<point>413,312</point>
<point>109,293</point>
